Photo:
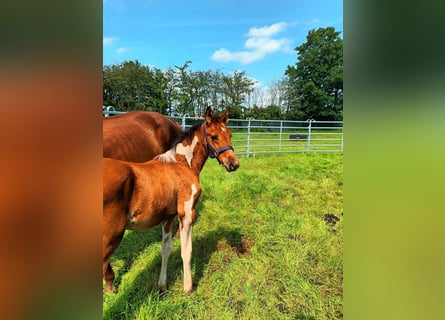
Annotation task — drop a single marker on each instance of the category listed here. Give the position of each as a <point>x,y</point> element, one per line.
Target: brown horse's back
<point>138,136</point>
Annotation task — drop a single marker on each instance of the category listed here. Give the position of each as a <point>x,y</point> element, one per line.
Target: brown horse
<point>138,196</point>
<point>138,136</point>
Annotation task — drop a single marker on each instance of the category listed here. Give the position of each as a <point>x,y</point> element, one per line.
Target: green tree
<point>186,95</point>
<point>236,87</point>
<point>132,86</point>
<point>175,91</point>
<point>171,93</point>
<point>198,89</point>
<point>316,82</point>
<point>271,112</point>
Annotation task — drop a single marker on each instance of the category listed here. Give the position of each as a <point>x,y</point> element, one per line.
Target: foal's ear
<point>224,117</point>
<point>209,115</point>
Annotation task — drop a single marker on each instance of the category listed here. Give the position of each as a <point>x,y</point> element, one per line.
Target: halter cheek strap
<point>213,152</point>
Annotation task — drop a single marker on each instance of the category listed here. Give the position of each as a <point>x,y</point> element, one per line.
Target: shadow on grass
<point>131,246</point>
<point>131,297</point>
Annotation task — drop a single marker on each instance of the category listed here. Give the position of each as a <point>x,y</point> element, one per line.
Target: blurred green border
<point>394,159</point>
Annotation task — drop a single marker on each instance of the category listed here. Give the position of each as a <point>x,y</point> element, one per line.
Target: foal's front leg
<point>166,250</point>
<point>186,253</point>
<point>186,221</point>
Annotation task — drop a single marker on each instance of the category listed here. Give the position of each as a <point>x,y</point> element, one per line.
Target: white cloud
<point>121,50</point>
<point>267,31</point>
<point>108,41</point>
<point>259,44</point>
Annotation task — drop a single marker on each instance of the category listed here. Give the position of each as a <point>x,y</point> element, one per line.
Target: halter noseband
<point>215,153</point>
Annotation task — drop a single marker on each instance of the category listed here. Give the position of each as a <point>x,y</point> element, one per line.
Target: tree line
<point>310,89</point>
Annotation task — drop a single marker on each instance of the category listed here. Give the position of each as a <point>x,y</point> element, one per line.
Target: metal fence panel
<point>251,136</point>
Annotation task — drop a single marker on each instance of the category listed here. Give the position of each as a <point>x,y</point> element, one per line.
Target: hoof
<point>188,291</point>
<point>163,293</point>
<point>110,290</point>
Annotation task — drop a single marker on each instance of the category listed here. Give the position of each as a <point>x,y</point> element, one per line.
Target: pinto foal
<point>138,196</point>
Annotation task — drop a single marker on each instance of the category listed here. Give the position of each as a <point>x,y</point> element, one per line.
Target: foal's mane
<point>187,134</point>
<point>170,155</point>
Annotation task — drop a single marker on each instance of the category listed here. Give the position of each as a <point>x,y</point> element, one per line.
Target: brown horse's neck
<point>191,151</point>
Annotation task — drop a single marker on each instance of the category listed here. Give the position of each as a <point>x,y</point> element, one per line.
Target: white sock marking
<point>186,241</point>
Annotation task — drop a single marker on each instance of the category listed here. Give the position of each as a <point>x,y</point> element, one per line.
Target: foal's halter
<point>213,152</point>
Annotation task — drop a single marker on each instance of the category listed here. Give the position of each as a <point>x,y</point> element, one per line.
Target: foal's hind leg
<point>109,245</point>
<point>167,227</point>
<point>109,278</point>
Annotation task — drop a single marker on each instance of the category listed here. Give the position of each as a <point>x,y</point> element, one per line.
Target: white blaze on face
<point>187,151</point>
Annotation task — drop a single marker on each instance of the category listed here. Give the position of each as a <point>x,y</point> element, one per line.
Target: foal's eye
<point>214,138</point>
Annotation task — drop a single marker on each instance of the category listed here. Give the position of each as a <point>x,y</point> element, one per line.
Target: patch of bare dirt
<point>331,219</point>
<point>241,249</point>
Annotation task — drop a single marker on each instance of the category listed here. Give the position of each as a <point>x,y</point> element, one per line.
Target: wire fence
<point>252,137</point>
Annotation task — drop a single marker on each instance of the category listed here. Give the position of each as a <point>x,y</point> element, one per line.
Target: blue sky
<point>255,36</point>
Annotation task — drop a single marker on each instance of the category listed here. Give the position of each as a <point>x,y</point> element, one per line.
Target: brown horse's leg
<point>167,228</point>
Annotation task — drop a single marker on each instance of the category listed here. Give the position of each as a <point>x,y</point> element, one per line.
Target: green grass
<point>261,247</point>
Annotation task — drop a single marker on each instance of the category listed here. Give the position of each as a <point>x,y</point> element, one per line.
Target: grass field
<point>268,244</point>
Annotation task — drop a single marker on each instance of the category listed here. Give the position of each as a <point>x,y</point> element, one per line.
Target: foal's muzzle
<point>231,163</point>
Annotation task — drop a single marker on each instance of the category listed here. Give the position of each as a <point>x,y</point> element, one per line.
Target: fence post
<point>248,139</point>
<point>281,135</point>
<point>183,122</point>
<point>309,135</point>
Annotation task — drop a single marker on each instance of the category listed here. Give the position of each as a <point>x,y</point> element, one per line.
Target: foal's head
<point>218,138</point>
